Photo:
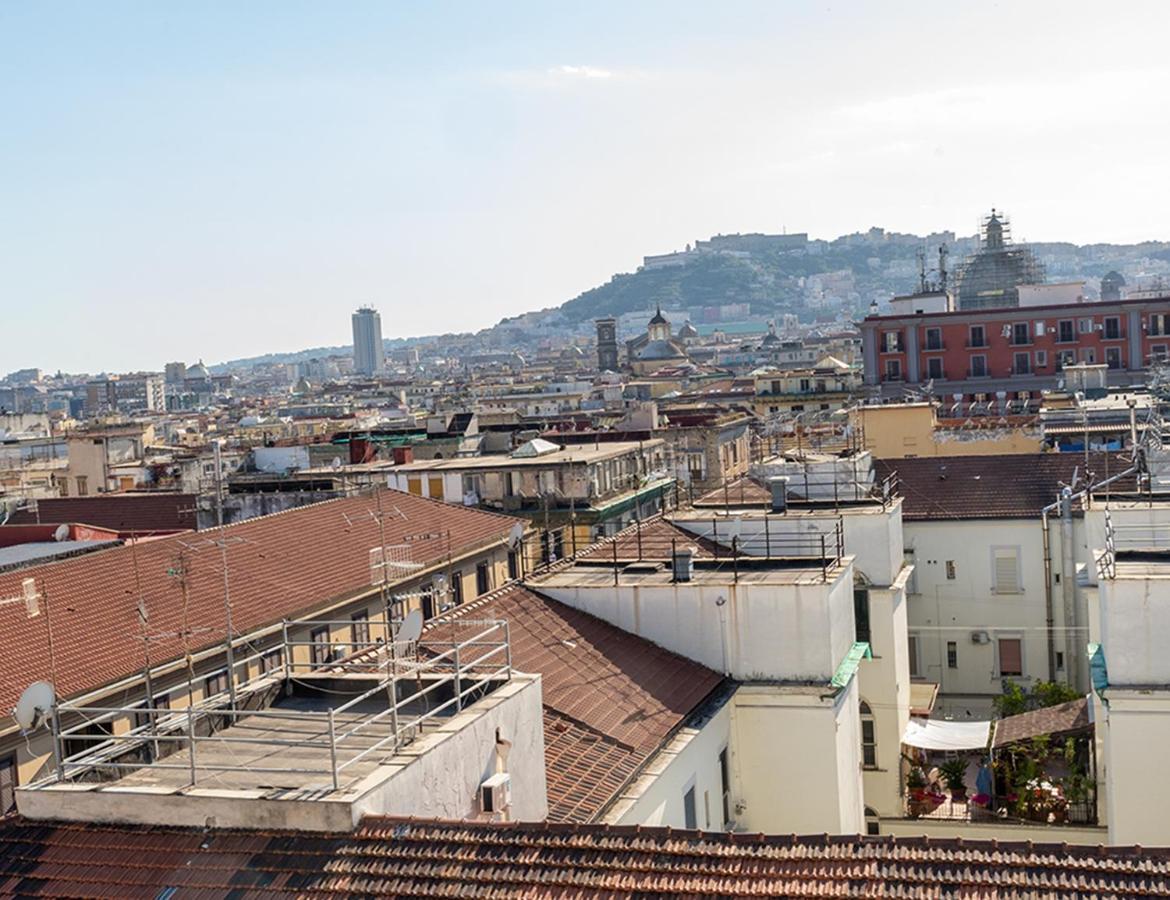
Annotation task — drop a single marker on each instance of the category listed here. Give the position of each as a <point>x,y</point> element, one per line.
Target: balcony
<point>980,344</point>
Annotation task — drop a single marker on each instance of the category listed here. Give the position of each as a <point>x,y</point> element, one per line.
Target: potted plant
<point>953,772</point>
<point>917,801</point>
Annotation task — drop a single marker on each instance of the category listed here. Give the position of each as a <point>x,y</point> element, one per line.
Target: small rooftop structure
<point>331,732</point>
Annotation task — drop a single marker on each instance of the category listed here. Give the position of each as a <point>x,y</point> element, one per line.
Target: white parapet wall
<point>795,627</point>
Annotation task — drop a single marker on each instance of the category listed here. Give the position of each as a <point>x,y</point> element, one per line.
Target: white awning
<point>939,734</point>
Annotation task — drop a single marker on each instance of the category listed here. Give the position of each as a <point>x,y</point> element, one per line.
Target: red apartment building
<point>1016,350</point>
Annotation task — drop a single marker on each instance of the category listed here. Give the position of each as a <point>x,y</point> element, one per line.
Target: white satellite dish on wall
<point>62,533</point>
<point>516,534</point>
<point>34,705</point>
<point>411,628</point>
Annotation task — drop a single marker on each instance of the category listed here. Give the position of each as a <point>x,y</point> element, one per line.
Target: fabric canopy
<point>937,734</point>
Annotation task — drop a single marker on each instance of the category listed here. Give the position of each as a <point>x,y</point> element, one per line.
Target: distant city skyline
<point>220,181</point>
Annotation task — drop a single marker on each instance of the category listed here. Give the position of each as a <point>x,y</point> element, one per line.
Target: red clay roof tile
<point>283,565</point>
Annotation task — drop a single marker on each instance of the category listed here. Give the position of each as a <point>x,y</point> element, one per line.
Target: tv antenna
<point>34,705</point>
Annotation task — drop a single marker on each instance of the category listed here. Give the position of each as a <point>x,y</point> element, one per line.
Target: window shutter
<point>1011,660</point>
<point>1007,572</point>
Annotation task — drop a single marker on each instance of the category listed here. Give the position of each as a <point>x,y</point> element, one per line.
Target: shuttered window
<point>1011,656</point>
<point>7,784</point>
<point>1005,570</point>
<point>912,653</point>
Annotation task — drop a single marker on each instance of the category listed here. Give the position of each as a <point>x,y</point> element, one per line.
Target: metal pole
<point>508,649</point>
<point>767,538</point>
<point>458,686</point>
<point>615,562</point>
<point>286,650</point>
<point>58,755</point>
<point>227,594</point>
<point>333,748</point>
<point>824,562</point>
<point>191,740</point>
<point>735,559</point>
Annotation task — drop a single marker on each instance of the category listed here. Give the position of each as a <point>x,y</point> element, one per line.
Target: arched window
<point>872,821</point>
<point>868,737</point>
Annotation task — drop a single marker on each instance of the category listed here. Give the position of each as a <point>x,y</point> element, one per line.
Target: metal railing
<point>440,675</point>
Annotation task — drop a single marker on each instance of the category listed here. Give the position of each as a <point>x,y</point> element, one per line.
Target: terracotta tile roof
<point>397,857</point>
<point>146,513</point>
<point>1064,718</point>
<point>284,565</point>
<point>1009,486</point>
<point>655,542</point>
<point>612,699</point>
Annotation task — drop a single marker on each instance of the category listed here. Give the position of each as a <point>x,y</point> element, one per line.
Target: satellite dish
<point>34,705</point>
<point>336,464</point>
<point>516,534</point>
<point>62,533</point>
<point>411,628</point>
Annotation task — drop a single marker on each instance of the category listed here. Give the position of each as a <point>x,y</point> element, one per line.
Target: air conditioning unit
<point>495,793</point>
<point>980,637</point>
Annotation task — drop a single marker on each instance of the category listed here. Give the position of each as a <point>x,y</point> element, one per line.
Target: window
<point>952,655</point>
<point>1011,657</point>
<point>272,660</point>
<point>868,737</point>
<point>514,557</point>
<point>1005,570</point>
<point>1021,363</point>
<point>215,684</point>
<point>934,339</point>
<point>1059,660</point>
<point>893,370</point>
<point>978,366</point>
<point>1159,324</point>
<point>1065,358</point>
<point>861,614</point>
<point>7,783</point>
<point>1157,351</point>
<point>457,584</point>
<point>1066,331</point>
<point>435,487</point>
<point>481,579</point>
<point>1112,328</point>
<point>912,581</point>
<point>805,386</point>
<point>414,486</point>
<point>1020,334</point>
<point>82,486</point>
<point>950,567</point>
<point>873,822</point>
<point>1113,357</point>
<point>1084,326</point>
<point>360,636</point>
<point>690,818</point>
<point>1088,355</point>
<point>319,645</point>
<point>912,653</point>
<point>934,367</point>
<point>725,783</point>
<point>1041,359</point>
<point>892,342</point>
<point>978,337</point>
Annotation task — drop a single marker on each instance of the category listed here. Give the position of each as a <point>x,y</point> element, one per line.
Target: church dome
<point>688,331</point>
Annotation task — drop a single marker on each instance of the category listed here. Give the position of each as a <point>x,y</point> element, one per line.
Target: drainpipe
<point>1068,586</point>
<point>721,603</point>
<point>1046,536</point>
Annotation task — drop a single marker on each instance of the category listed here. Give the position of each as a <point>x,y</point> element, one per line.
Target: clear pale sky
<point>216,180</point>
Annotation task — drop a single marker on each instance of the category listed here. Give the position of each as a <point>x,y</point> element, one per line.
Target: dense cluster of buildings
<point>640,615</point>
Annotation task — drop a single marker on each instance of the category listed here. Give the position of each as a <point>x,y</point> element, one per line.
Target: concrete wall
<point>996,830</point>
<point>784,632</point>
<point>1136,729</point>
<point>1135,630</point>
<point>884,684</point>
<point>943,609</point>
<point>691,759</point>
<point>442,781</point>
<point>797,760</point>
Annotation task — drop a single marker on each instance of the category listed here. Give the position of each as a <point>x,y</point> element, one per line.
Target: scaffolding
<point>362,702</point>
<point>990,278</point>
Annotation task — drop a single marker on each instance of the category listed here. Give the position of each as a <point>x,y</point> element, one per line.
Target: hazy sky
<point>184,180</point>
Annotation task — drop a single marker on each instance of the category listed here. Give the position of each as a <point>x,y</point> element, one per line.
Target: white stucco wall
<point>691,758</point>
<point>785,632</point>
<point>797,760</point>
<point>1138,795</point>
<point>884,683</point>
<point>1135,629</point>
<point>945,609</point>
